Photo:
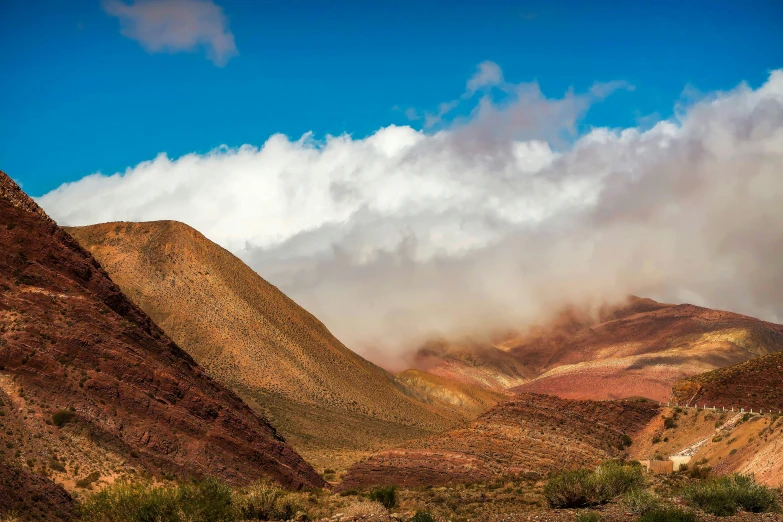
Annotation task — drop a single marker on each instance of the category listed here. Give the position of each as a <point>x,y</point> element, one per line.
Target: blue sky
<point>78,96</point>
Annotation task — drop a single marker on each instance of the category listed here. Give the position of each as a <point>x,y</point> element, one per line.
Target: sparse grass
<point>588,516</point>
<point>668,515</point>
<point>724,496</point>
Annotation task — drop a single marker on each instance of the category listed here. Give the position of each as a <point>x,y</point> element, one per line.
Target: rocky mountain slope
<point>464,399</point>
<point>643,354</point>
<point>91,389</point>
<point>532,433</point>
<point>639,348</point>
<point>248,335</point>
<point>756,384</point>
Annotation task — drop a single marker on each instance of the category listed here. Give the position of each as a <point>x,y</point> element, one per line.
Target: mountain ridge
<point>258,341</point>
<point>87,376</point>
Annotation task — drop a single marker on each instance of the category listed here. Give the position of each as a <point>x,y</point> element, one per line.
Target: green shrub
<point>668,515</point>
<point>126,502</point>
<point>669,423</point>
<point>570,489</point>
<point>615,478</point>
<point>56,465</point>
<point>700,472</point>
<point>86,481</point>
<point>386,495</point>
<point>207,501</point>
<point>641,501</point>
<point>263,500</point>
<point>587,516</point>
<point>62,417</point>
<point>422,516</point>
<point>724,496</point>
<point>581,488</point>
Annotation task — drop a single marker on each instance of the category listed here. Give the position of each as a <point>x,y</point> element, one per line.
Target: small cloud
<point>444,108</point>
<point>176,25</point>
<point>487,75</point>
<point>412,114</point>
<point>603,89</point>
<point>528,16</point>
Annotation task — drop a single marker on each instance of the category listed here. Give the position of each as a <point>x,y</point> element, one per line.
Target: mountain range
<point>134,350</point>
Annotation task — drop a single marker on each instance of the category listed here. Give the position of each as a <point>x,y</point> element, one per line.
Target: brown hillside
<point>253,338</point>
<point>532,433</point>
<point>515,358</point>
<point>756,384</point>
<point>643,354</point>
<point>463,398</point>
<point>474,363</point>
<point>91,387</point>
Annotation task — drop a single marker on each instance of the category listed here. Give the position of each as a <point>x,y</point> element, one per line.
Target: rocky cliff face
<point>88,381</point>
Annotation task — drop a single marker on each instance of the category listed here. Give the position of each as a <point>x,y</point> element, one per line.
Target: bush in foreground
<point>207,501</point>
<point>640,501</point>
<point>263,500</point>
<point>724,496</point>
<point>581,488</point>
<point>386,495</point>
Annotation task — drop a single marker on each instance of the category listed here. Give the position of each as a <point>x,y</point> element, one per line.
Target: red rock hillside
<point>92,390</point>
<point>756,384</point>
<point>532,433</point>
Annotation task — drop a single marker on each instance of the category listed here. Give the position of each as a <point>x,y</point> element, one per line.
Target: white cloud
<point>401,235</point>
<point>487,74</point>
<point>176,25</point>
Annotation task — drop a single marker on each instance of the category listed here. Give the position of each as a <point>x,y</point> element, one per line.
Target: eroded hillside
<point>532,433</point>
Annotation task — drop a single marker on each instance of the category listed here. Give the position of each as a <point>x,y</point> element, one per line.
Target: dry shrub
<point>366,510</point>
<point>263,500</point>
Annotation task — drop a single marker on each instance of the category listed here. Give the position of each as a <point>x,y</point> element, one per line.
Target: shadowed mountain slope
<point>253,338</point>
<point>91,387</point>
<point>756,384</point>
<point>531,433</point>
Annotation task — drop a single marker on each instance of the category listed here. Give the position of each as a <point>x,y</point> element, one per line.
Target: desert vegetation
<point>614,490</point>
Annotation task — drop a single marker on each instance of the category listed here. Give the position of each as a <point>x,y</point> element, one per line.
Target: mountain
<point>642,353</point>
<point>464,398</point>
<point>638,348</point>
<point>529,434</point>
<point>471,362</point>
<point>326,400</point>
<point>92,389</point>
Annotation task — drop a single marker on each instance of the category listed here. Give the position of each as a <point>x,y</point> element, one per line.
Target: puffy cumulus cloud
<point>176,25</point>
<point>483,226</point>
